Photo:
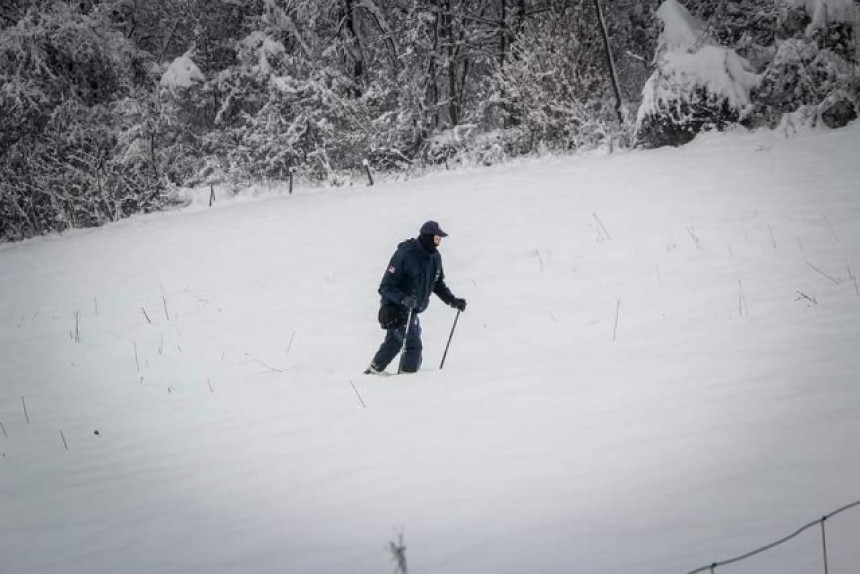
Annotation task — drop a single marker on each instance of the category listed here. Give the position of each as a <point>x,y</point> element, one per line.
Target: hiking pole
<point>451,336</point>
<point>405,336</point>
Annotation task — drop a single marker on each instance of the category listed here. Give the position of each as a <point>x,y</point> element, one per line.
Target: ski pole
<point>405,336</point>
<point>451,336</point>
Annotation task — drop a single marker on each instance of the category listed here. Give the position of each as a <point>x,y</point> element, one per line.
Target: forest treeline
<point>107,107</point>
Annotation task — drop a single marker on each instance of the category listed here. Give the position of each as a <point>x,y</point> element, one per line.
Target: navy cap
<point>432,228</point>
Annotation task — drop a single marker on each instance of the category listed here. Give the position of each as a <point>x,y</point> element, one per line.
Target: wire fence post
<point>824,542</point>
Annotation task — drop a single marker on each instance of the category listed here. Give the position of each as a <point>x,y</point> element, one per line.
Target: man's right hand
<point>410,302</point>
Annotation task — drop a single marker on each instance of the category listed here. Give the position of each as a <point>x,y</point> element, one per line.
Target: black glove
<point>410,302</point>
<point>458,304</point>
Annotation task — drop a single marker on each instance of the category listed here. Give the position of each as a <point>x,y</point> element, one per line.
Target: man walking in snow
<point>414,272</point>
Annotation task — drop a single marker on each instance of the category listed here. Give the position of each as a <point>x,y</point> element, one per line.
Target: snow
<point>720,70</point>
<point>258,48</point>
<point>657,369</point>
<point>681,31</point>
<point>688,59</point>
<point>822,12</point>
<point>182,73</point>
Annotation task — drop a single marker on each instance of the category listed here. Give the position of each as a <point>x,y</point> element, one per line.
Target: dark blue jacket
<point>413,270</point>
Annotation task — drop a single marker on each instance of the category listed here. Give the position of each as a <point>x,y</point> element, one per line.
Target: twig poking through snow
<point>801,296</point>
<point>617,311</point>
<point>854,279</point>
<point>692,231</point>
<point>77,336</point>
<point>398,554</point>
<point>166,312</point>
<point>602,233</point>
<point>358,395</point>
<point>269,367</point>
<point>211,390</point>
<point>836,281</point>
<point>26,414</point>
<point>148,320</point>
<point>743,309</point>
<point>65,444</point>
<point>136,360</point>
<point>290,344</point>
<point>2,428</point>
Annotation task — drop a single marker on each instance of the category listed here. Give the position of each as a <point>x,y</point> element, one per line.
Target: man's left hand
<point>459,304</point>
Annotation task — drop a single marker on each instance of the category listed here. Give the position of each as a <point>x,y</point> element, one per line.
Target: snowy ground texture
<point>658,369</point>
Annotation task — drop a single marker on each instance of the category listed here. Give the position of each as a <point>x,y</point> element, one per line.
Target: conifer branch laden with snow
<point>697,84</point>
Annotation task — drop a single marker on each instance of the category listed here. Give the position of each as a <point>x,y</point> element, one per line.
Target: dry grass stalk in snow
<point>398,555</point>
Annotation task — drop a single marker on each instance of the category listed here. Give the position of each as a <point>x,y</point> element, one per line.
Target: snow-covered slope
<point>658,369</point>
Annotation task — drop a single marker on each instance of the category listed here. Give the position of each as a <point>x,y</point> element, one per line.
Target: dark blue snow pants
<point>394,342</point>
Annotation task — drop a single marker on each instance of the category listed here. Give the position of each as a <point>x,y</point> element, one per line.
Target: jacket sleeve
<point>441,289</point>
<point>391,286</point>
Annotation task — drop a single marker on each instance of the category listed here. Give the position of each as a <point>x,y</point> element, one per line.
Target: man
<point>415,271</point>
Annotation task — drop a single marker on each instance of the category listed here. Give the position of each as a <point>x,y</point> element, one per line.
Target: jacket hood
<point>414,244</point>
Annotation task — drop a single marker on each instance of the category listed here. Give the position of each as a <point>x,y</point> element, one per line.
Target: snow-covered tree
<point>697,84</point>
<point>553,101</point>
<point>813,73</point>
<point>106,103</point>
<point>287,101</point>
<point>61,162</point>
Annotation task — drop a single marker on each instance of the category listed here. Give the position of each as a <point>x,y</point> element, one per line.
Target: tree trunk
<point>433,86</point>
<point>450,64</point>
<point>355,50</point>
<point>503,33</point>
<point>609,61</point>
<point>510,26</point>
